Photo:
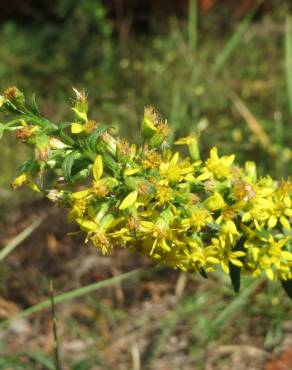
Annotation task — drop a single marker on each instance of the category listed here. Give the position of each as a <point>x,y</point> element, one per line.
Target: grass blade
<point>73,294</point>
<point>288,58</point>
<point>239,301</point>
<point>233,42</point>
<point>20,238</point>
<point>253,124</point>
<point>193,25</point>
<point>55,330</point>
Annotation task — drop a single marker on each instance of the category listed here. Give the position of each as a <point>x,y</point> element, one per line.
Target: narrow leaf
<point>287,286</point>
<point>129,200</point>
<point>68,164</point>
<point>234,271</point>
<point>97,168</point>
<point>92,139</point>
<point>34,106</point>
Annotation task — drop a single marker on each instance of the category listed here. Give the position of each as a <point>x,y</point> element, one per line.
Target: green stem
<point>55,331</point>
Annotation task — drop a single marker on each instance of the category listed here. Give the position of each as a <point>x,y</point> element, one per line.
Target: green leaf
<point>2,129</point>
<point>234,271</point>
<point>34,106</point>
<point>129,200</point>
<point>203,273</point>
<point>97,168</point>
<point>30,166</point>
<point>287,286</point>
<point>110,163</point>
<point>42,359</point>
<point>68,164</point>
<point>92,139</point>
<point>64,125</point>
<point>87,364</point>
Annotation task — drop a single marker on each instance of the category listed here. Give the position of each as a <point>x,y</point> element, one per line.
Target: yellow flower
<point>157,235</point>
<point>225,253</point>
<point>200,257</point>
<point>163,194</point>
<point>219,167</point>
<point>215,202</point>
<point>174,171</point>
<point>199,219</point>
<point>229,231</point>
<point>281,211</point>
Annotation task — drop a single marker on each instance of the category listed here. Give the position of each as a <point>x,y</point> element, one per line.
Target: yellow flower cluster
<point>184,212</point>
<point>189,214</point>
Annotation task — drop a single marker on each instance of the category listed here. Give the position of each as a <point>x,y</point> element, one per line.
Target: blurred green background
<point>223,68</point>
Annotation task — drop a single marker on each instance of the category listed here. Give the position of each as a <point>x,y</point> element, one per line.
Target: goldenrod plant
<point>188,213</point>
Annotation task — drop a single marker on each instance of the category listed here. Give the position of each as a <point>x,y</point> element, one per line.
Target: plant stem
<point>55,331</point>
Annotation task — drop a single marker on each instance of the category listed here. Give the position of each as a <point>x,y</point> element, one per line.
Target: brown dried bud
<point>123,147</point>
<point>24,133</point>
<point>90,126</point>
<point>143,188</point>
<point>100,190</point>
<point>42,154</point>
<point>133,223</point>
<point>14,95</point>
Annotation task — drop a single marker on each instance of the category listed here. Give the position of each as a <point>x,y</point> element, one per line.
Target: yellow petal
<point>81,115</point>
<point>131,171</point>
<point>272,222</point>
<point>212,259</point>
<point>228,160</point>
<point>204,176</point>
<point>165,246</point>
<point>97,168</point>
<point>88,225</point>
<point>149,124</point>
<point>270,274</point>
<point>285,222</point>
<point>174,159</point>
<point>288,212</point>
<point>146,225</point>
<point>236,262</point>
<point>286,255</point>
<point>34,186</point>
<point>129,200</point>
<point>238,254</point>
<point>287,201</point>
<point>80,194</point>
<point>76,128</point>
<point>20,180</point>
<point>225,267</point>
<point>214,153</point>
